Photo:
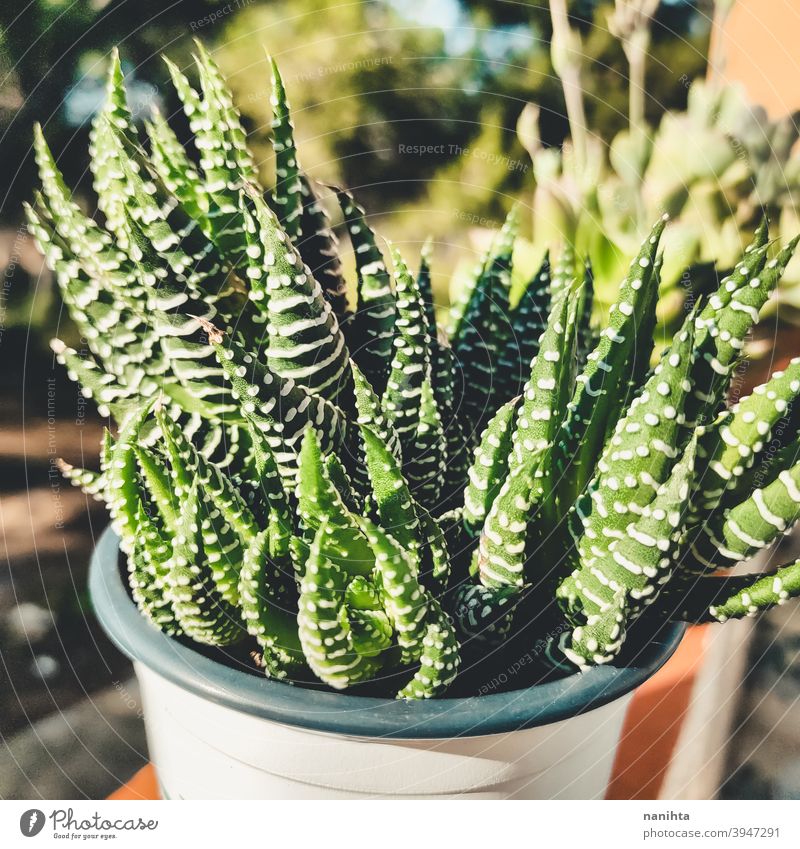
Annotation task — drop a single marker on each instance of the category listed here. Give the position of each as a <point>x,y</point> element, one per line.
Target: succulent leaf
<point>175,169</point>
<point>438,664</point>
<point>324,632</point>
<point>596,400</point>
<point>490,467</point>
<point>287,196</point>
<point>528,322</point>
<point>319,248</point>
<point>200,609</point>
<point>305,341</point>
<point>739,532</point>
<point>263,610</point>
<point>376,311</point>
<point>485,327</point>
<point>746,595</point>
<point>411,361</point>
<point>636,565</point>
<point>733,443</point>
<point>640,455</point>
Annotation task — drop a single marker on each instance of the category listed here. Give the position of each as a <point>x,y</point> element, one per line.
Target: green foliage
<point>310,488</point>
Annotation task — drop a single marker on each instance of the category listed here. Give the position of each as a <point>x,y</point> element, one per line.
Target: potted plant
<point>370,559</point>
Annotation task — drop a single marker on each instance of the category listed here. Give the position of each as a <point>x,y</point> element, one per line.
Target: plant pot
<point>217,732</point>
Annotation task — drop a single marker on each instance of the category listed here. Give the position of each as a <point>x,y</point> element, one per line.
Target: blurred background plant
<point>713,166</point>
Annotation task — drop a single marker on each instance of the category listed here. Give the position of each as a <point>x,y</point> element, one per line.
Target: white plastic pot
<point>216,732</point>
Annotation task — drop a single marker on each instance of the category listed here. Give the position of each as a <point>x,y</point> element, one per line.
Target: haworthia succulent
<point>109,395</point>
<point>731,445</point>
<point>369,412</point>
<point>97,280</point>
<point>403,598</point>
<point>218,487</point>
<point>300,210</point>
<point>755,593</point>
<point>262,488</point>
<point>175,169</point>
<point>123,495</point>
<point>108,179</point>
<point>319,503</point>
<point>490,467</point>
<point>295,489</point>
<point>596,398</point>
<point>199,607</point>
<point>287,197</point>
<point>370,628</point>
<point>148,574</point>
<point>771,462</point>
<point>725,321</point>
<point>639,367</point>
<point>91,482</point>
<point>319,248</point>
<point>438,664</point>
<point>222,529</point>
<point>376,312</point>
<point>277,407</point>
<point>528,322</point>
<point>324,632</point>
<point>485,326</point>
<point>639,456</point>
<point>390,491</point>
<point>157,481</point>
<point>425,459</point>
<point>410,364</point>
<point>219,105</point>
<point>628,576</point>
<point>549,380</point>
<point>177,318</point>
<point>263,612</point>
<point>224,160</point>
<point>484,614</point>
<point>305,341</point>
<point>400,515</point>
<point>501,557</point>
<point>193,259</point>
<point>741,531</point>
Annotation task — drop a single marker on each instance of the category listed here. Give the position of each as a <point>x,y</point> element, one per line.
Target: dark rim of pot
<point>339,713</point>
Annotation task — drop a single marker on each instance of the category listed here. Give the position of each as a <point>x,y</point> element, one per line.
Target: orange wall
<point>761,49</point>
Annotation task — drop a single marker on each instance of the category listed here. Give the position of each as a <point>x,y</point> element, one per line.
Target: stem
<point>636,50</point>
<point>570,75</point>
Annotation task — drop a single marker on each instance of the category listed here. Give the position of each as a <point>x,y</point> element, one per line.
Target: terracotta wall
<point>760,47</point>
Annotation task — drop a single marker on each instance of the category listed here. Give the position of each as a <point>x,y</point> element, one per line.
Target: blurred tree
<point>52,50</point>
<point>412,104</point>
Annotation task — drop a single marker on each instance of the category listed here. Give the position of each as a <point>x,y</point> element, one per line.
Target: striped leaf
<point>528,322</point>
<point>287,196</point>
<point>737,439</point>
<point>324,630</point>
<point>373,325</point>
<point>263,611</point>
<point>602,601</point>
<point>596,401</point>
<point>305,341</point>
